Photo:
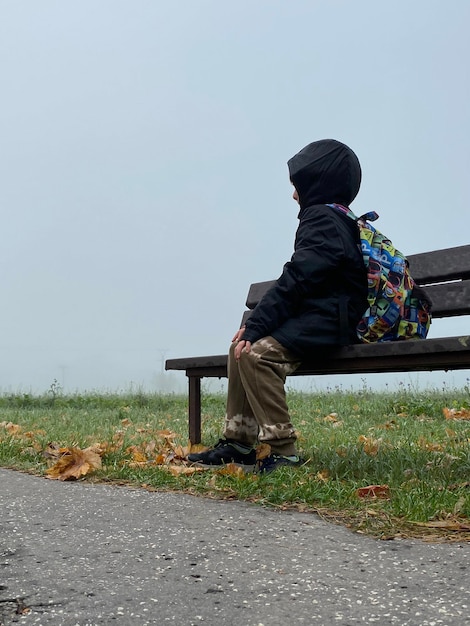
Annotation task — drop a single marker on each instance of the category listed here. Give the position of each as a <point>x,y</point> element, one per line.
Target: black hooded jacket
<point>321,294</point>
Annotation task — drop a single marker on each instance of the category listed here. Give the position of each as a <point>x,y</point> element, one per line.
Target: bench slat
<point>431,354</point>
<point>449,299</point>
<point>441,265</point>
<point>411,356</point>
<point>256,292</point>
<point>196,362</point>
<point>429,267</point>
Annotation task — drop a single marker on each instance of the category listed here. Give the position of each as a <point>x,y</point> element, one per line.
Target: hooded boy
<point>314,305</point>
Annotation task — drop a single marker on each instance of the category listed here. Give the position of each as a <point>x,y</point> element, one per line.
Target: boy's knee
<point>248,360</point>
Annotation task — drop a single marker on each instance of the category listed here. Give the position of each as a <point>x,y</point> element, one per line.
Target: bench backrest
<point>444,273</point>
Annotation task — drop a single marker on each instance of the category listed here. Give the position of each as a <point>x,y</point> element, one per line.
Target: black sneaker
<point>273,461</point>
<point>226,451</point>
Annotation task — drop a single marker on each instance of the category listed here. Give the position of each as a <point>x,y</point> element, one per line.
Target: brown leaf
<point>150,448</point>
<point>118,439</point>
<point>74,463</point>
<point>54,451</point>
<point>263,451</point>
<point>232,470</point>
<point>137,455</point>
<point>374,491</point>
<point>454,486</point>
<point>455,414</point>
<point>12,429</point>
<point>370,446</point>
<point>198,447</point>
<point>323,476</point>
<point>178,470</point>
<point>181,452</point>
<point>424,444</point>
<point>166,434</point>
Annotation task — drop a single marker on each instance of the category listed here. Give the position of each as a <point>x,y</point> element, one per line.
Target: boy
<point>314,305</point>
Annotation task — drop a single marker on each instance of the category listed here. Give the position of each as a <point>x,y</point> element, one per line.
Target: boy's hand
<point>239,334</point>
<point>241,343</point>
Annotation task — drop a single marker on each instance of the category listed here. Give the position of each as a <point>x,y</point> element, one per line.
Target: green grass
<point>351,439</point>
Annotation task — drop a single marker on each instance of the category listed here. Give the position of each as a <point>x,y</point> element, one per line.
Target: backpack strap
<point>369,217</point>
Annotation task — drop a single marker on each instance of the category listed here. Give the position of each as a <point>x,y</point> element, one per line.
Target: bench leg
<point>194,409</point>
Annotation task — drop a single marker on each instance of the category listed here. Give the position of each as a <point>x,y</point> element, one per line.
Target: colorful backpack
<point>398,308</point>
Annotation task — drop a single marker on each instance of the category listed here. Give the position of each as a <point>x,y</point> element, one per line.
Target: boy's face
<point>295,195</point>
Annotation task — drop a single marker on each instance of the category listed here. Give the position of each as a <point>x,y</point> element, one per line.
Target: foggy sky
<point>143,161</point>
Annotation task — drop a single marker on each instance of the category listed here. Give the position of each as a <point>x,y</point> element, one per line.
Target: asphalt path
<point>83,554</point>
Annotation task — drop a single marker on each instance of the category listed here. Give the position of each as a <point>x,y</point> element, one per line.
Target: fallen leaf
<point>181,452</point>
<point>178,470</point>
<point>74,463</point>
<point>28,450</point>
<point>370,446</point>
<point>232,470</point>
<point>263,451</point>
<point>137,455</point>
<point>150,448</point>
<point>54,451</point>
<point>166,434</point>
<point>12,429</point>
<point>198,447</point>
<point>323,476</point>
<point>374,491</point>
<point>118,439</point>
<point>456,414</point>
<point>424,444</point>
<point>454,486</point>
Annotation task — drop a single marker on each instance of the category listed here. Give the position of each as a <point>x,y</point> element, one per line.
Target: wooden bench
<point>446,275</point>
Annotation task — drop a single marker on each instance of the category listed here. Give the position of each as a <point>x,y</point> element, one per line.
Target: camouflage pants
<point>256,400</point>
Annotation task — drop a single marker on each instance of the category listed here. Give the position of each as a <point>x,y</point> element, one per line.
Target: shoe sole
<point>248,469</point>
<point>299,463</point>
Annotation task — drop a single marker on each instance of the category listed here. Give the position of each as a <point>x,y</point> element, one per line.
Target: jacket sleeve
<point>318,252</point>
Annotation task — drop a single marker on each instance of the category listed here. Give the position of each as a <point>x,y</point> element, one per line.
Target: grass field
<point>384,464</point>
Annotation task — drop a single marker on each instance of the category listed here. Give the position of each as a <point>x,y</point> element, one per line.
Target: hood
<point>325,171</point>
